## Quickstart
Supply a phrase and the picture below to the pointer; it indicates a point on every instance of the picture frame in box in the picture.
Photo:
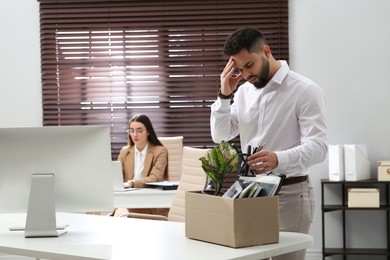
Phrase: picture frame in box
(256, 186)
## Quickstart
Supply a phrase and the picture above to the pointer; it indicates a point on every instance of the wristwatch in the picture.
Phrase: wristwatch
(222, 96)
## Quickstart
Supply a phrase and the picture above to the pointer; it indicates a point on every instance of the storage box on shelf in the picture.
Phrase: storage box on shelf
(363, 198)
(383, 170)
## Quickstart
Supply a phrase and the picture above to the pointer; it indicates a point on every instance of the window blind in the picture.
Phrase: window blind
(104, 61)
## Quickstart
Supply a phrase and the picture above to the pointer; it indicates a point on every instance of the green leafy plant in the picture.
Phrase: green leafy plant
(218, 162)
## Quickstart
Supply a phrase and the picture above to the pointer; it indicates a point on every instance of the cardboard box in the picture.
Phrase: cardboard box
(363, 198)
(232, 222)
(383, 170)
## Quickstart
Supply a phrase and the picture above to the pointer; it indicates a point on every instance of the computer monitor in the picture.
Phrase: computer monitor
(51, 169)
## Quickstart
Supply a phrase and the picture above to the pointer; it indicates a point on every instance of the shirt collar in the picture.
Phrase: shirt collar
(143, 152)
(278, 77)
(281, 73)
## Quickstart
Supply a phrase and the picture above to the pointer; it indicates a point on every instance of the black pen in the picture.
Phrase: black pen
(246, 161)
(260, 147)
(249, 150)
(255, 150)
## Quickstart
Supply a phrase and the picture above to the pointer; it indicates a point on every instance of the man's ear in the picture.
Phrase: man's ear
(266, 50)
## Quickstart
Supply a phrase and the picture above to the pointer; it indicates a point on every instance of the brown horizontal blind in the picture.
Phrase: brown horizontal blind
(104, 61)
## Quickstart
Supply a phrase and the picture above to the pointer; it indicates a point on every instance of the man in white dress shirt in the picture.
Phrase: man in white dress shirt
(279, 108)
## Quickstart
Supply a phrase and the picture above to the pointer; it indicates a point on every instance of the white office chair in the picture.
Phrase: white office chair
(193, 178)
(174, 146)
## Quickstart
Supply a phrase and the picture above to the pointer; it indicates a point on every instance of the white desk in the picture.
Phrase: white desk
(101, 237)
(144, 198)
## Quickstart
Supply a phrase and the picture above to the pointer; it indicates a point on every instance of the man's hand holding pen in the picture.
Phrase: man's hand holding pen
(262, 161)
(256, 161)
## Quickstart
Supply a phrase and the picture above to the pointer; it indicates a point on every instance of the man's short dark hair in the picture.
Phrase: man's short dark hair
(248, 38)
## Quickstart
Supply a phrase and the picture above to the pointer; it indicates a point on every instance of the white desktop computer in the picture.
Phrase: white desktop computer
(44, 170)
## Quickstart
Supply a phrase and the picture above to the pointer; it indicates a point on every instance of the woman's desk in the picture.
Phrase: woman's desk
(144, 198)
(100, 237)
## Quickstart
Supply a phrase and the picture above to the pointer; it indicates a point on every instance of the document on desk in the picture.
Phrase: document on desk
(163, 185)
(126, 189)
(130, 189)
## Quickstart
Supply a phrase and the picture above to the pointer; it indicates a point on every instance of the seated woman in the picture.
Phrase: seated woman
(143, 160)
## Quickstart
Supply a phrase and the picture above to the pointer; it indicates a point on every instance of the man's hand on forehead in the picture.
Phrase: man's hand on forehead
(236, 70)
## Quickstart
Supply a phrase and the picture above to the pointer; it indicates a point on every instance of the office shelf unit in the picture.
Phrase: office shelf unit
(343, 207)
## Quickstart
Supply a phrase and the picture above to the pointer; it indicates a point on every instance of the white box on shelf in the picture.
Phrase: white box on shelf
(383, 170)
(363, 198)
(356, 163)
(336, 162)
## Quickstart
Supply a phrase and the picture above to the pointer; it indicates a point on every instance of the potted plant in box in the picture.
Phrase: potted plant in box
(218, 162)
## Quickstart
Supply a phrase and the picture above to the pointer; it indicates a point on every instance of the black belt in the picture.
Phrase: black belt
(293, 180)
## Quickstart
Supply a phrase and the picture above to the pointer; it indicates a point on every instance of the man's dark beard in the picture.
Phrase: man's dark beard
(264, 77)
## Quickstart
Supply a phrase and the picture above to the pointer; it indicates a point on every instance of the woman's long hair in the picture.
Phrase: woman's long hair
(152, 137)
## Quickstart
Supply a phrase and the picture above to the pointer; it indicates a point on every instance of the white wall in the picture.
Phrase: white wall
(343, 46)
(340, 44)
(20, 81)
